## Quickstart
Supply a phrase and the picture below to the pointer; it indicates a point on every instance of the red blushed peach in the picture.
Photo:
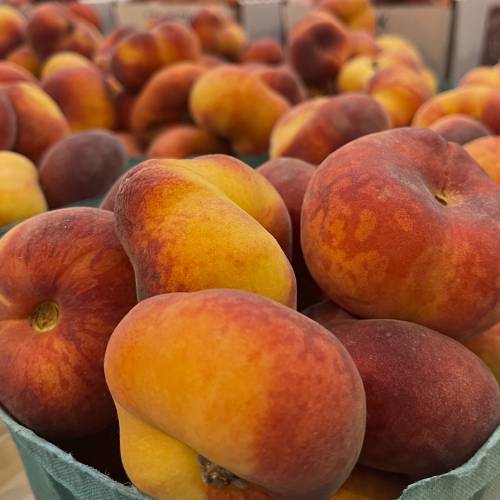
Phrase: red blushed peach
(12, 29)
(314, 129)
(263, 51)
(413, 237)
(83, 96)
(327, 313)
(102, 57)
(12, 73)
(186, 141)
(390, 43)
(25, 57)
(363, 44)
(356, 14)
(480, 102)
(486, 152)
(8, 125)
(40, 122)
(318, 46)
(486, 345)
(86, 13)
(177, 42)
(283, 80)
(164, 100)
(488, 76)
(81, 166)
(431, 403)
(459, 128)
(56, 308)
(290, 385)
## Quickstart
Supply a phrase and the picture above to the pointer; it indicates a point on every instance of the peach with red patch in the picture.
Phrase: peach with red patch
(363, 43)
(486, 346)
(431, 403)
(124, 105)
(8, 124)
(12, 73)
(318, 45)
(12, 29)
(488, 76)
(186, 141)
(263, 51)
(355, 14)
(314, 129)
(86, 13)
(64, 60)
(164, 232)
(25, 57)
(486, 152)
(289, 385)
(460, 128)
(283, 80)
(415, 236)
(56, 309)
(102, 57)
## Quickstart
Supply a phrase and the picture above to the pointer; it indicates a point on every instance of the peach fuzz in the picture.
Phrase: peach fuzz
(56, 308)
(12, 29)
(263, 51)
(356, 14)
(322, 413)
(8, 124)
(318, 45)
(400, 91)
(414, 237)
(431, 403)
(283, 80)
(486, 152)
(185, 141)
(486, 346)
(165, 232)
(25, 57)
(164, 100)
(64, 60)
(12, 73)
(83, 96)
(459, 128)
(489, 76)
(314, 129)
(20, 194)
(235, 104)
(40, 122)
(479, 102)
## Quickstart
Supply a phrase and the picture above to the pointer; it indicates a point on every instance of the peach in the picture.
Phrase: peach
(394, 240)
(355, 74)
(488, 76)
(279, 439)
(164, 232)
(318, 46)
(130, 143)
(459, 128)
(290, 177)
(362, 43)
(102, 57)
(390, 42)
(25, 57)
(86, 13)
(430, 402)
(480, 102)
(400, 91)
(57, 309)
(81, 166)
(486, 346)
(231, 41)
(164, 100)
(283, 80)
(486, 152)
(365, 483)
(83, 96)
(108, 202)
(8, 125)
(209, 61)
(64, 60)
(263, 51)
(12, 29)
(20, 193)
(185, 141)
(327, 313)
(235, 104)
(124, 106)
(40, 122)
(356, 14)
(314, 129)
(52, 28)
(12, 73)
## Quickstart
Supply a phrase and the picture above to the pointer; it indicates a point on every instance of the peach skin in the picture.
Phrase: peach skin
(327, 313)
(356, 73)
(314, 129)
(253, 435)
(355, 14)
(64, 60)
(12, 29)
(389, 43)
(414, 237)
(235, 104)
(40, 122)
(318, 45)
(263, 51)
(185, 141)
(20, 194)
(8, 124)
(486, 346)
(459, 128)
(489, 76)
(362, 44)
(130, 143)
(83, 96)
(164, 100)
(479, 102)
(12, 73)
(486, 152)
(86, 13)
(25, 57)
(165, 232)
(56, 308)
